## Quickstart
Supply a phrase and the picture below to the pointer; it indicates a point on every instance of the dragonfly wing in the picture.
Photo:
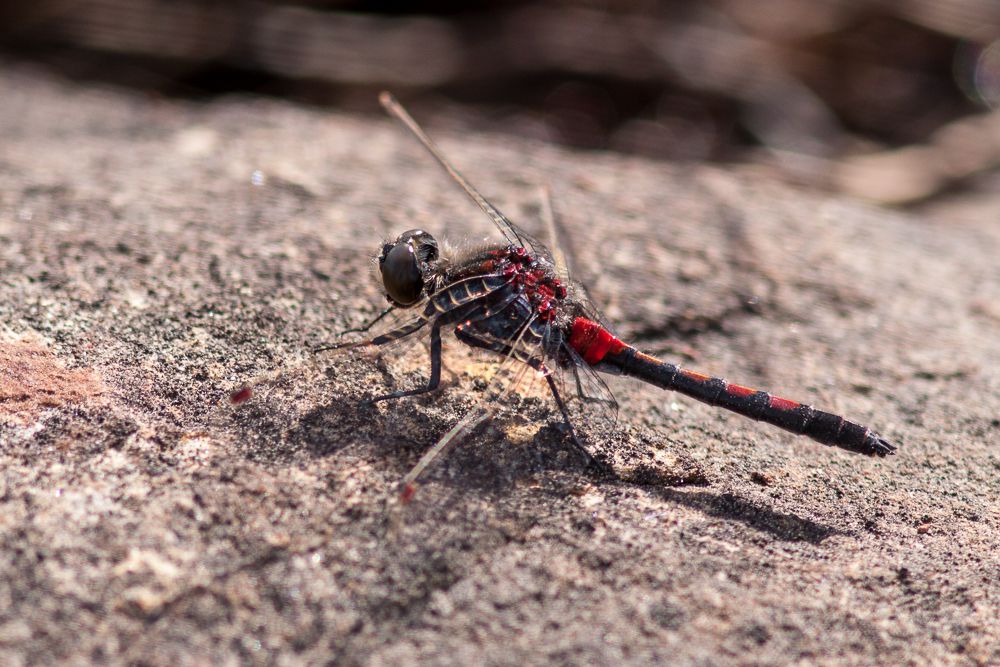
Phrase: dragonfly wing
(510, 374)
(514, 234)
(562, 260)
(559, 260)
(584, 395)
(402, 322)
(471, 299)
(588, 400)
(589, 389)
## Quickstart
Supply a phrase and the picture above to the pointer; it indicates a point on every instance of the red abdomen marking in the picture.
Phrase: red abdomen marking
(739, 390)
(779, 403)
(593, 341)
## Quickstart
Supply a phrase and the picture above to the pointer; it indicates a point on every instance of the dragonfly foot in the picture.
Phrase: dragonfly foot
(590, 462)
(397, 394)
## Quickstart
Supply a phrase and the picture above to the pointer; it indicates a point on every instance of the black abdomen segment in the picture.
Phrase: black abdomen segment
(824, 427)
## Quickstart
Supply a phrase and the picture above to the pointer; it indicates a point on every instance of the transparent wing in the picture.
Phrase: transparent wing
(563, 263)
(510, 374)
(514, 234)
(559, 260)
(584, 388)
(583, 393)
(397, 329)
(400, 323)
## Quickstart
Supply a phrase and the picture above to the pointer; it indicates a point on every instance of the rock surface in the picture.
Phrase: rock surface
(155, 255)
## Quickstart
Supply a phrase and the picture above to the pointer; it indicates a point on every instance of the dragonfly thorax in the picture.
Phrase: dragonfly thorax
(535, 278)
(405, 265)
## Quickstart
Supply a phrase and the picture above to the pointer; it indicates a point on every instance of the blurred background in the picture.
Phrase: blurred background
(895, 101)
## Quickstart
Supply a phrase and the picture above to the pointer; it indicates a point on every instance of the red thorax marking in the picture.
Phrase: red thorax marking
(541, 289)
(593, 341)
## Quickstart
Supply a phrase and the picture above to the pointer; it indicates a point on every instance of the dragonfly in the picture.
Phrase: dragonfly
(516, 299)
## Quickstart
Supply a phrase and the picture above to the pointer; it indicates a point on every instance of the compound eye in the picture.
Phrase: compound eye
(425, 245)
(403, 263)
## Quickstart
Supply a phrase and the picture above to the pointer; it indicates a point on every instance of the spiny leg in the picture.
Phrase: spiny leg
(471, 312)
(435, 378)
(588, 457)
(382, 339)
(446, 302)
(475, 339)
(247, 391)
(361, 329)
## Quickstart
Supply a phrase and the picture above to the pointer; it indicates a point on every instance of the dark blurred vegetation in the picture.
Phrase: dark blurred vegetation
(894, 100)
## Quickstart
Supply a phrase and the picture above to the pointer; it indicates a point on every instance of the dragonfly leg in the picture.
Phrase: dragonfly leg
(361, 329)
(372, 323)
(435, 378)
(587, 456)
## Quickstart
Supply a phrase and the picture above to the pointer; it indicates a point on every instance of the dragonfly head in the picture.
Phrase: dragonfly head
(404, 264)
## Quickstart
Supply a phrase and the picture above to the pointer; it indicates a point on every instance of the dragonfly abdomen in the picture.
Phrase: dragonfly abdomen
(824, 427)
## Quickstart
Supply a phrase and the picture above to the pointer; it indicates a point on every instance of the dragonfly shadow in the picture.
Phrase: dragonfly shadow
(785, 527)
(500, 461)
(496, 461)
(330, 428)
(496, 458)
